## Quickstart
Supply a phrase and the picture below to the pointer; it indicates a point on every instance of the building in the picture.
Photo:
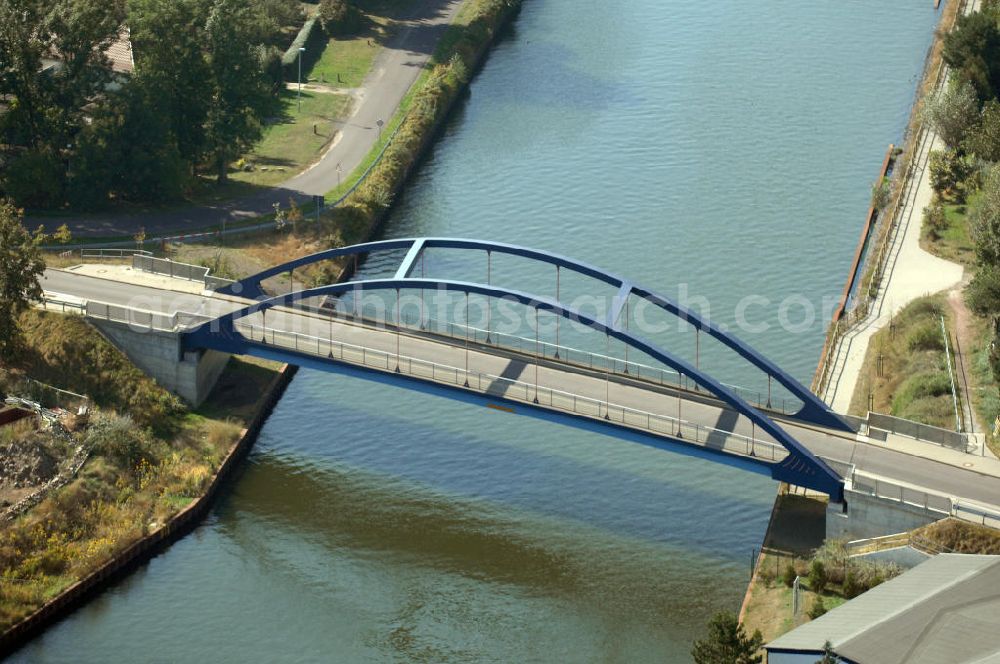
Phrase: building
(943, 611)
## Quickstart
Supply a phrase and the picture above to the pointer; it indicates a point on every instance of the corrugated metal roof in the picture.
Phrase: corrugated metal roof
(944, 610)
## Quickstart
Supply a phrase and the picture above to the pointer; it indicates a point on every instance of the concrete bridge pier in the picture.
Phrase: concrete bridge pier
(191, 375)
(867, 516)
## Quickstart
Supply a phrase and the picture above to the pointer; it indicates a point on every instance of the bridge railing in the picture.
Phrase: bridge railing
(514, 390)
(170, 268)
(925, 432)
(63, 306)
(932, 502)
(591, 360)
(102, 253)
(143, 319)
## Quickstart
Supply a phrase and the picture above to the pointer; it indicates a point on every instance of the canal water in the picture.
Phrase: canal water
(715, 150)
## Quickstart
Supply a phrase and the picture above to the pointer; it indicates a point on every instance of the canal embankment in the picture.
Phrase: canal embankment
(889, 270)
(897, 269)
(152, 471)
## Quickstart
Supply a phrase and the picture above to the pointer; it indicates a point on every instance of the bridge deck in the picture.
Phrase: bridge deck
(567, 388)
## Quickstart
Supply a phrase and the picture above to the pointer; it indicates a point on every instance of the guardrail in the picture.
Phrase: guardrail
(143, 319)
(63, 306)
(103, 252)
(905, 495)
(925, 432)
(170, 268)
(508, 389)
(861, 547)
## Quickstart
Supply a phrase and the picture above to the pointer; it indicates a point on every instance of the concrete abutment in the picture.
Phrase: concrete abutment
(191, 375)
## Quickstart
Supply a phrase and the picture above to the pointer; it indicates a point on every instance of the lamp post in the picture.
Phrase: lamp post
(302, 49)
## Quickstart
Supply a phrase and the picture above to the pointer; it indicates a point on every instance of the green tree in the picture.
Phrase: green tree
(788, 575)
(48, 104)
(727, 643)
(24, 31)
(63, 235)
(881, 193)
(172, 76)
(238, 84)
(948, 171)
(338, 17)
(983, 140)
(983, 292)
(953, 113)
(935, 220)
(818, 609)
(972, 49)
(21, 265)
(817, 577)
(128, 152)
(984, 219)
(829, 657)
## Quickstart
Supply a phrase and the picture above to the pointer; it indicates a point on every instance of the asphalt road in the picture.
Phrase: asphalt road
(869, 458)
(394, 71)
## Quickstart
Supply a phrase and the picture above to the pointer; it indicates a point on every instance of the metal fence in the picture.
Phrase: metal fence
(100, 253)
(905, 495)
(513, 390)
(141, 319)
(170, 268)
(944, 437)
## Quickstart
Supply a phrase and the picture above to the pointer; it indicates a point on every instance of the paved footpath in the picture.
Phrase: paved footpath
(394, 71)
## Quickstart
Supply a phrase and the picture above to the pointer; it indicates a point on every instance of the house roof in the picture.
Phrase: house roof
(120, 53)
(946, 609)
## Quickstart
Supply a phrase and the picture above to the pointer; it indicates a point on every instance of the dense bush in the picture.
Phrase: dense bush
(817, 576)
(339, 17)
(925, 337)
(818, 608)
(948, 171)
(788, 576)
(935, 220)
(119, 440)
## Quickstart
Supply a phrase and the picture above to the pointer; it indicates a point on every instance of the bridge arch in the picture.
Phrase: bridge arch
(813, 410)
(800, 467)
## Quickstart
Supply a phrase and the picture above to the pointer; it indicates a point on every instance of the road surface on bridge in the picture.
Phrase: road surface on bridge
(958, 481)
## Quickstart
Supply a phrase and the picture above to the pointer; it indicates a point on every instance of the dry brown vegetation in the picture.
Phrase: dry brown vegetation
(137, 476)
(962, 537)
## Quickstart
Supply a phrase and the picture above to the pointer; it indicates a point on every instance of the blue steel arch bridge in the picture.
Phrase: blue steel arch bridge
(307, 327)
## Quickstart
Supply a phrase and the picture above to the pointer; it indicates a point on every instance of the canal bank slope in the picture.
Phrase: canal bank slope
(900, 270)
(908, 272)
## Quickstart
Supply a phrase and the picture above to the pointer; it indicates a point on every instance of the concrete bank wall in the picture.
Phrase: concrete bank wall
(141, 551)
(191, 375)
(867, 517)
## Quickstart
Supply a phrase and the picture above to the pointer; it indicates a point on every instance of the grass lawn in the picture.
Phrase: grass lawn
(954, 242)
(914, 380)
(296, 139)
(347, 60)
